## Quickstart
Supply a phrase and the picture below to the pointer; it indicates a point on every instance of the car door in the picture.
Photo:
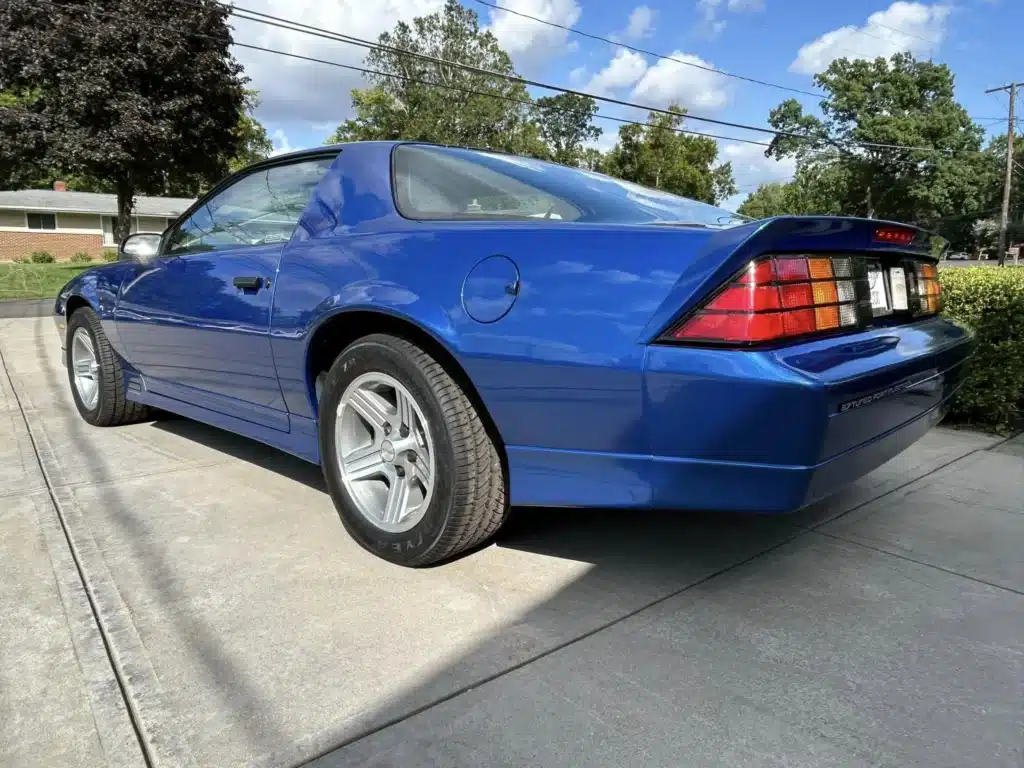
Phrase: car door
(195, 321)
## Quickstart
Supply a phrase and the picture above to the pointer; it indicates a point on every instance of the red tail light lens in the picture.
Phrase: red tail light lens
(782, 297)
(776, 298)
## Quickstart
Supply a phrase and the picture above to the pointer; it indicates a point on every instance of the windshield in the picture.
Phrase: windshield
(433, 182)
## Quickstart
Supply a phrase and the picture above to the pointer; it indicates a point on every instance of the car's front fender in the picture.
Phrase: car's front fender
(98, 289)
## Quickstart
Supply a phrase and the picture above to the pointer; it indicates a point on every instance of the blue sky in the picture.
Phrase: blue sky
(779, 41)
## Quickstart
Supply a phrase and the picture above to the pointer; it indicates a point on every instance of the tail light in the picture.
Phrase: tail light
(781, 297)
(928, 292)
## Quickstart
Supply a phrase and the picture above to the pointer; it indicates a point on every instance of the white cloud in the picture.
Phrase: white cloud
(281, 144)
(621, 72)
(641, 23)
(577, 76)
(296, 94)
(531, 44)
(921, 29)
(711, 24)
(750, 169)
(672, 81)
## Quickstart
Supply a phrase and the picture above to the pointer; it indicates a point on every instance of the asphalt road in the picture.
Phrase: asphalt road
(177, 596)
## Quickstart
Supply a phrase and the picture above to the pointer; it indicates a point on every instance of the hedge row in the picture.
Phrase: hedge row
(990, 300)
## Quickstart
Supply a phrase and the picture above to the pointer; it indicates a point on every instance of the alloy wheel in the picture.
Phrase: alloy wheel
(86, 368)
(385, 453)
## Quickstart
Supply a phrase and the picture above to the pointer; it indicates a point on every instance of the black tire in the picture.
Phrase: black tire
(469, 501)
(112, 408)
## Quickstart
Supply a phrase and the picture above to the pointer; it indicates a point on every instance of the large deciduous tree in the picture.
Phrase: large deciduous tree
(122, 91)
(815, 189)
(657, 155)
(254, 143)
(414, 98)
(565, 126)
(900, 101)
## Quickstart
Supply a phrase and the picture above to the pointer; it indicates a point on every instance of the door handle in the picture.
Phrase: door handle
(248, 283)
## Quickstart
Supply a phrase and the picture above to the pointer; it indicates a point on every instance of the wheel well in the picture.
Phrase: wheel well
(73, 304)
(346, 327)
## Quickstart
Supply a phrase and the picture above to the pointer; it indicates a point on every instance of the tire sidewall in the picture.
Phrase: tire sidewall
(412, 546)
(80, 320)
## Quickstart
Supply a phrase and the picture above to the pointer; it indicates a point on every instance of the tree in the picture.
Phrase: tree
(252, 144)
(773, 199)
(500, 117)
(592, 159)
(124, 91)
(565, 126)
(997, 151)
(897, 101)
(815, 190)
(658, 156)
(252, 140)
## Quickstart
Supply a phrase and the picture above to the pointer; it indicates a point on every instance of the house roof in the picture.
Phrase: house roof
(89, 202)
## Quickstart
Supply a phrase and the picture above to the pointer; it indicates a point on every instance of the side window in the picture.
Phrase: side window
(432, 183)
(259, 209)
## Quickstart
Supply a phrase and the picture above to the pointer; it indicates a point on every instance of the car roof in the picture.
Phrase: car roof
(312, 151)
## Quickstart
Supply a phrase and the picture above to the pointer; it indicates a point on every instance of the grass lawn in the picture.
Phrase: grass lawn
(36, 281)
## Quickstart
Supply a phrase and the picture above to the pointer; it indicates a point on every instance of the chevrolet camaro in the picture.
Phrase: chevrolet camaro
(450, 332)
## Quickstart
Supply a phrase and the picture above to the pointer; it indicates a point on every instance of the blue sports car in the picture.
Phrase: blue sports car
(449, 332)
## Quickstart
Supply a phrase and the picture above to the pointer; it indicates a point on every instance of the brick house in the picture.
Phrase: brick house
(64, 223)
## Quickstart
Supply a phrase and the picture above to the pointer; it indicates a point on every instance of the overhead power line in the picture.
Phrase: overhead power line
(645, 52)
(901, 31)
(635, 49)
(293, 26)
(429, 83)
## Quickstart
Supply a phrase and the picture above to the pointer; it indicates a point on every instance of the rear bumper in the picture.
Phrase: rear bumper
(558, 478)
(766, 431)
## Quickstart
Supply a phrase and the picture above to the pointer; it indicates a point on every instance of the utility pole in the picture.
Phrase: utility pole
(1008, 184)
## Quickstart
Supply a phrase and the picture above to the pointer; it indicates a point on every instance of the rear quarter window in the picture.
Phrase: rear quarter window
(430, 183)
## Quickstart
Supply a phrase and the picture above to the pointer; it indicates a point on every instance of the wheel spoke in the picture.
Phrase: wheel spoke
(422, 470)
(363, 463)
(406, 414)
(398, 498)
(371, 406)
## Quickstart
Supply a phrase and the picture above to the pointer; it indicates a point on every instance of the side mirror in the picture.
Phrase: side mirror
(141, 246)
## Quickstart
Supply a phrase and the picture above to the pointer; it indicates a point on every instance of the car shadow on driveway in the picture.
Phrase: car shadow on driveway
(599, 536)
(244, 449)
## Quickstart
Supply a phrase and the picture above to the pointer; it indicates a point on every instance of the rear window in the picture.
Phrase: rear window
(447, 183)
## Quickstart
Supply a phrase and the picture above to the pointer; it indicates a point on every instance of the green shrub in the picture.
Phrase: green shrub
(81, 258)
(110, 255)
(42, 257)
(990, 300)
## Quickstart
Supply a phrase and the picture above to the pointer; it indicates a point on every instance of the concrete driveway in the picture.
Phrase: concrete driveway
(177, 596)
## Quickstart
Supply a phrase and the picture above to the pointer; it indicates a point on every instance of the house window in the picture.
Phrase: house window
(109, 225)
(41, 221)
